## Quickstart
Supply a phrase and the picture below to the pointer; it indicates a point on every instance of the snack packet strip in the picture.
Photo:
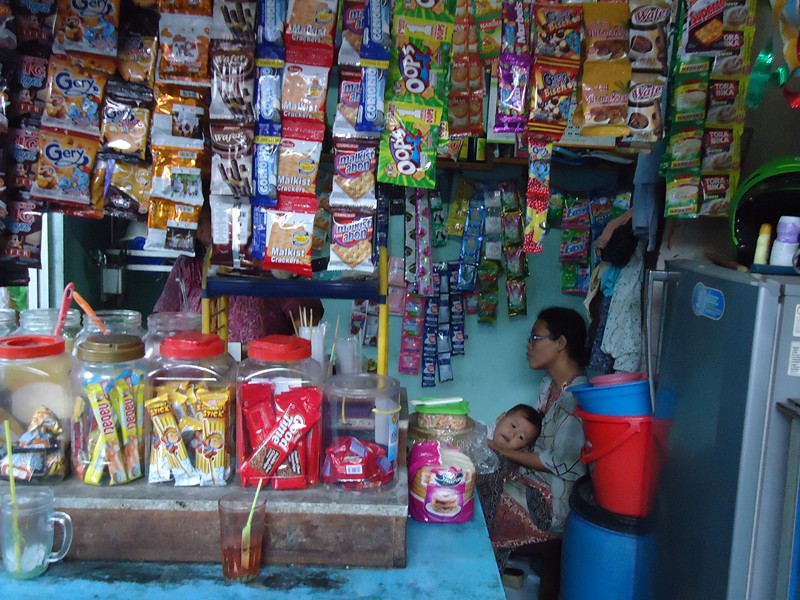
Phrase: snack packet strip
(424, 245)
(171, 442)
(104, 413)
(126, 410)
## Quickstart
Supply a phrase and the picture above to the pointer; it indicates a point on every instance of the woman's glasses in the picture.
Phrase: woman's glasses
(535, 338)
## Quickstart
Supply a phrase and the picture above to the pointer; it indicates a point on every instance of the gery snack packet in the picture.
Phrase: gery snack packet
(65, 167)
(125, 126)
(87, 27)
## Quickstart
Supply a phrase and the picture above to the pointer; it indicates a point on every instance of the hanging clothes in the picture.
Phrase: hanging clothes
(622, 338)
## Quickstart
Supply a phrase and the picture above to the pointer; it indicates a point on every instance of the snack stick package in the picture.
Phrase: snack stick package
(211, 457)
(103, 410)
(234, 20)
(126, 410)
(231, 160)
(233, 82)
(171, 443)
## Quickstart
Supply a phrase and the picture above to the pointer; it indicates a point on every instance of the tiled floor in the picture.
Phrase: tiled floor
(530, 585)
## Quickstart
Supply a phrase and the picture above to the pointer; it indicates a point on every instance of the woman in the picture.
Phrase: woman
(534, 502)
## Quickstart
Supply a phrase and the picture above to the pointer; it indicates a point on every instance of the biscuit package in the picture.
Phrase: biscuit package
(298, 156)
(353, 20)
(24, 155)
(351, 241)
(288, 233)
(648, 37)
(418, 73)
(125, 125)
(371, 116)
(269, 76)
(304, 91)
(265, 167)
(553, 84)
(354, 175)
(603, 104)
(269, 29)
(344, 122)
(310, 28)
(184, 49)
(703, 27)
(606, 30)
(196, 8)
(180, 114)
(558, 30)
(65, 167)
(375, 42)
(171, 226)
(441, 483)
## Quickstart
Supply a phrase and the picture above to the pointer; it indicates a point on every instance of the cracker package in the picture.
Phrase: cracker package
(344, 122)
(298, 156)
(64, 168)
(407, 154)
(234, 20)
(352, 33)
(310, 28)
(354, 175)
(231, 160)
(125, 126)
(179, 115)
(351, 241)
(177, 174)
(171, 226)
(184, 50)
(489, 24)
(88, 27)
(703, 27)
(603, 102)
(232, 82)
(304, 91)
(289, 233)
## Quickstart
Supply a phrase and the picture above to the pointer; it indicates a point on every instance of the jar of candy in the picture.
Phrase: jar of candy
(190, 405)
(127, 322)
(160, 326)
(108, 431)
(360, 426)
(35, 398)
(8, 321)
(279, 373)
(43, 321)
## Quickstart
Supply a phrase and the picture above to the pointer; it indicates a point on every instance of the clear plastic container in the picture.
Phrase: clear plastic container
(108, 432)
(36, 398)
(275, 364)
(160, 326)
(8, 321)
(127, 322)
(190, 405)
(360, 424)
(43, 321)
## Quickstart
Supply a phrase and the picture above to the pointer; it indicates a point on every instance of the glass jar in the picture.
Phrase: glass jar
(127, 322)
(108, 432)
(8, 321)
(160, 326)
(275, 364)
(35, 397)
(43, 321)
(190, 391)
(360, 426)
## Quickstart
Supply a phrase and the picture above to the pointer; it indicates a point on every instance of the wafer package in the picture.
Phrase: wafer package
(233, 82)
(231, 160)
(234, 20)
(231, 232)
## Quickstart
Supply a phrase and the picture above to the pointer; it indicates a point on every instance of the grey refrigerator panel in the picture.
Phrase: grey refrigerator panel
(714, 376)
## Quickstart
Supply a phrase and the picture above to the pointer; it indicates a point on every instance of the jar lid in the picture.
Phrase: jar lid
(116, 347)
(279, 348)
(31, 346)
(190, 344)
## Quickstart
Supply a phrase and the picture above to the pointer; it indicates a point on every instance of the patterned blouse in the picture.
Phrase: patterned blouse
(559, 446)
(248, 317)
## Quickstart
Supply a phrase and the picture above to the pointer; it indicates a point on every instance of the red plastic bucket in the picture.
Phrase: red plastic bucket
(626, 462)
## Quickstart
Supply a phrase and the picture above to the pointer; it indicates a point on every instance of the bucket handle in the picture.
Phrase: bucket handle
(588, 456)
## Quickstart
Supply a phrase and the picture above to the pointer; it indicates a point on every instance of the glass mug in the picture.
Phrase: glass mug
(28, 547)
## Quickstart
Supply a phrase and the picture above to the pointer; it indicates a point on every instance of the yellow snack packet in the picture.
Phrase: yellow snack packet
(109, 445)
(170, 442)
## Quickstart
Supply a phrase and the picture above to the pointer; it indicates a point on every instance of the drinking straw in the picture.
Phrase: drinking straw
(66, 300)
(294, 324)
(246, 530)
(14, 508)
(333, 347)
(90, 313)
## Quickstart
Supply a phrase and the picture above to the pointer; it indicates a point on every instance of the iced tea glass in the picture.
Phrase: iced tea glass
(241, 560)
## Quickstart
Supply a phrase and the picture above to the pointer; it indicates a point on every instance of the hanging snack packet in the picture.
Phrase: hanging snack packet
(513, 72)
(21, 241)
(558, 30)
(371, 116)
(184, 50)
(177, 174)
(171, 226)
(489, 23)
(407, 153)
(734, 59)
(298, 156)
(127, 193)
(648, 36)
(375, 42)
(351, 241)
(269, 75)
(30, 92)
(516, 27)
(138, 47)
(24, 155)
(35, 22)
(179, 114)
(353, 22)
(354, 176)
(574, 246)
(683, 193)
(690, 91)
(265, 167)
(87, 27)
(554, 82)
(231, 230)
(269, 33)
(703, 27)
(231, 160)
(304, 91)
(721, 149)
(344, 122)
(234, 20)
(725, 101)
(606, 30)
(424, 239)
(310, 28)
(64, 168)
(232, 82)
(685, 144)
(644, 110)
(419, 72)
(603, 102)
(201, 8)
(517, 295)
(576, 212)
(717, 192)
(125, 126)
(75, 94)
(289, 231)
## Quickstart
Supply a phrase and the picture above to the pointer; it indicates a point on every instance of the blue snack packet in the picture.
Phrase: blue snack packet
(269, 32)
(268, 92)
(265, 168)
(377, 30)
(371, 117)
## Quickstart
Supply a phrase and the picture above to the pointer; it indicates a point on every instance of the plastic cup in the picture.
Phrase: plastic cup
(239, 562)
(28, 548)
(348, 353)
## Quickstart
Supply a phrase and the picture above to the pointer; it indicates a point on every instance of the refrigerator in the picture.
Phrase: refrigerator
(723, 349)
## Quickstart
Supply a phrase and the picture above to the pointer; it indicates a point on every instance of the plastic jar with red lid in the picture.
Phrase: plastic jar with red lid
(190, 405)
(36, 399)
(275, 364)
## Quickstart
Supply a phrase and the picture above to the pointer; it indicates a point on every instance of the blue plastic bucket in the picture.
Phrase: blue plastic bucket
(623, 400)
(605, 556)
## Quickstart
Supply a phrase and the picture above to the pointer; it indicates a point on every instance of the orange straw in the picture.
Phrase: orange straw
(90, 312)
(66, 300)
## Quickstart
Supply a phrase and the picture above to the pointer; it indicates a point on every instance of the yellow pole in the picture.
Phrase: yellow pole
(383, 312)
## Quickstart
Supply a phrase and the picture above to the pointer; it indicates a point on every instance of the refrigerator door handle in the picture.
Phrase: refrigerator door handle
(654, 276)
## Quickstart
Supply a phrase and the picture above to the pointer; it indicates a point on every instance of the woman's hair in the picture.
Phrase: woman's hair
(567, 322)
(528, 413)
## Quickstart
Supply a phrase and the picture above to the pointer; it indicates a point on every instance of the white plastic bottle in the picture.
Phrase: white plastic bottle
(762, 244)
(786, 241)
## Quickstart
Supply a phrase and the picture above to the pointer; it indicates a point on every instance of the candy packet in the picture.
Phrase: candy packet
(513, 73)
(24, 155)
(516, 27)
(558, 30)
(29, 90)
(21, 240)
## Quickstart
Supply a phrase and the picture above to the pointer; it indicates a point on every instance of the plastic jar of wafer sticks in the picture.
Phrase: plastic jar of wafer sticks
(276, 365)
(108, 429)
(190, 406)
(35, 397)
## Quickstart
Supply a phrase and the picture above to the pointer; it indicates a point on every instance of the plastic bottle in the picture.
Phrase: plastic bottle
(786, 241)
(762, 244)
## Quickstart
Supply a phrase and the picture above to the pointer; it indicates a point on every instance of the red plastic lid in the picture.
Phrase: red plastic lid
(191, 344)
(31, 346)
(617, 378)
(279, 348)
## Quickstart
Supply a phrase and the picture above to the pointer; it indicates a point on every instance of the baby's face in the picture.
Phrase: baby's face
(514, 432)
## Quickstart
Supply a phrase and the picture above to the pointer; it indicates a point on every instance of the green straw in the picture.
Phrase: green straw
(246, 530)
(14, 507)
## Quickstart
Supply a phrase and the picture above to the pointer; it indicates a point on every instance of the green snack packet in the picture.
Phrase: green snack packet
(487, 307)
(418, 72)
(683, 193)
(488, 273)
(432, 11)
(407, 154)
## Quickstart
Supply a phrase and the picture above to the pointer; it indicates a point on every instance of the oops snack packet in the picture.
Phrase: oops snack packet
(65, 167)
(87, 27)
(418, 72)
(407, 155)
